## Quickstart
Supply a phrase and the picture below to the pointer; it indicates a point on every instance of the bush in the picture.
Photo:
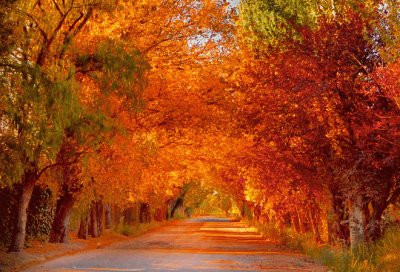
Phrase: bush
(8, 208)
(41, 213)
(124, 230)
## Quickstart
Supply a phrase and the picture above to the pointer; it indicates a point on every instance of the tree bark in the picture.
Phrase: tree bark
(129, 215)
(356, 221)
(70, 187)
(28, 183)
(93, 227)
(178, 209)
(294, 222)
(314, 226)
(107, 215)
(375, 224)
(300, 222)
(144, 214)
(161, 214)
(170, 208)
(83, 227)
(338, 227)
(100, 216)
(60, 228)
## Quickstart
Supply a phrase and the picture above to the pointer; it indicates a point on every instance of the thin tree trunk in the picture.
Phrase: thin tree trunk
(93, 227)
(301, 227)
(294, 222)
(28, 183)
(100, 216)
(314, 226)
(107, 215)
(178, 208)
(83, 227)
(170, 208)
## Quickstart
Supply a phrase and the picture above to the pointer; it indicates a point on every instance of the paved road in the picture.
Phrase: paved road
(201, 244)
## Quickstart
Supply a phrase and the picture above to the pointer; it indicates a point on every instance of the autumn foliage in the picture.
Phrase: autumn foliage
(129, 111)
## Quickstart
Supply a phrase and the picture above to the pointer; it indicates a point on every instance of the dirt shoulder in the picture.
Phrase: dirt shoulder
(39, 252)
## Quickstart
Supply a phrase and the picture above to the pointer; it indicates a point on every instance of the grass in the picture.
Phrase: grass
(383, 256)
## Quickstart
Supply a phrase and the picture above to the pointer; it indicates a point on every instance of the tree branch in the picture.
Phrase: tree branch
(58, 8)
(393, 198)
(30, 16)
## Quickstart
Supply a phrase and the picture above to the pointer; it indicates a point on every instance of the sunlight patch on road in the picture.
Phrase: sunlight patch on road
(225, 252)
(242, 229)
(232, 235)
(108, 269)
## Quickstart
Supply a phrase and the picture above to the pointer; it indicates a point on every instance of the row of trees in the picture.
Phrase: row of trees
(289, 108)
(98, 99)
(320, 96)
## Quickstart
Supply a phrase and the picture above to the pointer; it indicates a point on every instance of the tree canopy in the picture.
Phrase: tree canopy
(286, 111)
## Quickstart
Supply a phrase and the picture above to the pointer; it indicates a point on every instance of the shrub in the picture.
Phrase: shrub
(124, 230)
(137, 229)
(40, 214)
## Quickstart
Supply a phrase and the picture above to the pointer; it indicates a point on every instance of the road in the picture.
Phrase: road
(200, 244)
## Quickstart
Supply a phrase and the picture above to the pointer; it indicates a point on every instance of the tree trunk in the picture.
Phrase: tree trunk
(170, 208)
(178, 209)
(118, 215)
(100, 216)
(93, 225)
(83, 227)
(28, 183)
(107, 215)
(314, 226)
(71, 186)
(60, 228)
(129, 215)
(338, 227)
(160, 214)
(144, 214)
(375, 224)
(300, 222)
(356, 222)
(294, 222)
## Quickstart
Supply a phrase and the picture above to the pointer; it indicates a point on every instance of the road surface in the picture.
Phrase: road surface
(201, 244)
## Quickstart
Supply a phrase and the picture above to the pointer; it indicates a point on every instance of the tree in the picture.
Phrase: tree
(40, 92)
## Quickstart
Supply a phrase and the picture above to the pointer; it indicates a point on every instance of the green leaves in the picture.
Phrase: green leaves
(117, 69)
(36, 110)
(272, 22)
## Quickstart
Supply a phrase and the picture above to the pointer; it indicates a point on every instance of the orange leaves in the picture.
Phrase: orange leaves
(389, 79)
(184, 129)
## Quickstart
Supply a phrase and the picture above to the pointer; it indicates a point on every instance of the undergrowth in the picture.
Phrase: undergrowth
(137, 229)
(383, 256)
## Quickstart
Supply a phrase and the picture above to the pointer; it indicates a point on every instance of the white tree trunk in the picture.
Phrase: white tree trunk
(357, 221)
